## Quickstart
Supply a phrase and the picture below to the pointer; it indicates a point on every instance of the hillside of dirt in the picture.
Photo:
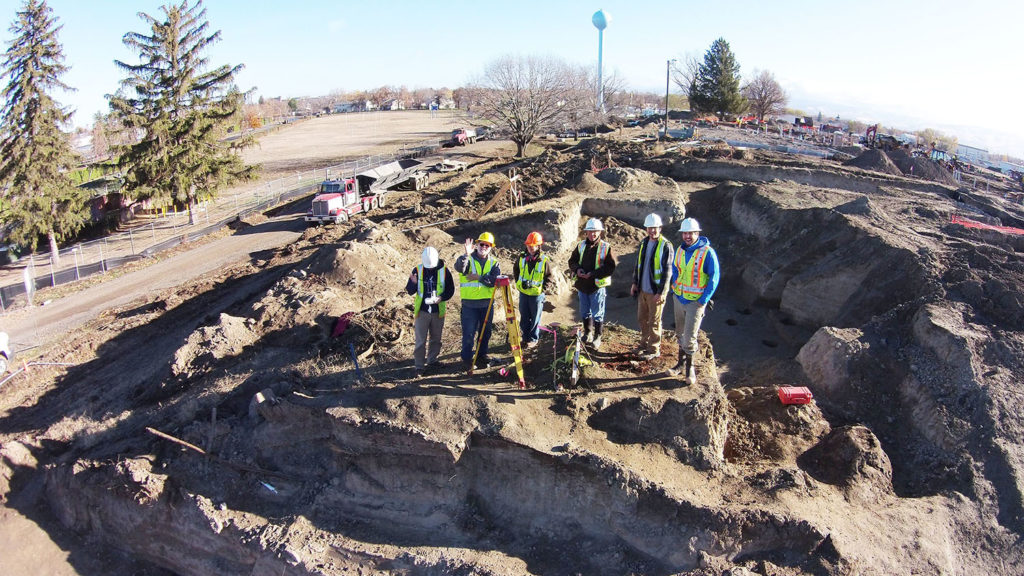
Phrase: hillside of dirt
(231, 425)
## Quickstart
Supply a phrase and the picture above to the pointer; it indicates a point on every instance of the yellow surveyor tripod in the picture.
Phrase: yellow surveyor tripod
(503, 286)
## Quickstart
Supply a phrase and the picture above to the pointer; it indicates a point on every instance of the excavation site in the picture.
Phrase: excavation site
(266, 418)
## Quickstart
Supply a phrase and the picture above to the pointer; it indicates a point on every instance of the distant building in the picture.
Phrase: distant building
(353, 106)
(971, 154)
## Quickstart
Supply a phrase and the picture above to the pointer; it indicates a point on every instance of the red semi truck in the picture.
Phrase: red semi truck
(339, 199)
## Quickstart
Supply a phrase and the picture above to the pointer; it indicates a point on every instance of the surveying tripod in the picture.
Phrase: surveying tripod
(503, 286)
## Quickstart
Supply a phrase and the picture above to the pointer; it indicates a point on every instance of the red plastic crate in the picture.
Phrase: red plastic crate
(795, 395)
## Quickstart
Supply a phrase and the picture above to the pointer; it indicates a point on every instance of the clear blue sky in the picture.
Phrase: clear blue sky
(952, 66)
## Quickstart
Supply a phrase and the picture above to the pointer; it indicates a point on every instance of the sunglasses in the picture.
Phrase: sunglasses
(483, 244)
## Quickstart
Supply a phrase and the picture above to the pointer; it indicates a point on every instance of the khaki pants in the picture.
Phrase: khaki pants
(427, 325)
(688, 318)
(648, 316)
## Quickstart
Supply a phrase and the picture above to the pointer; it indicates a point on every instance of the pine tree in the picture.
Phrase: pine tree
(179, 111)
(716, 87)
(36, 158)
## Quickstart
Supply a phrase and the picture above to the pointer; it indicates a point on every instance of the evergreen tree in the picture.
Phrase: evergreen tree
(36, 158)
(716, 86)
(179, 112)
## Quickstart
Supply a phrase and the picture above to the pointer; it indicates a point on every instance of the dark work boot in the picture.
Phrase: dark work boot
(598, 328)
(588, 330)
(691, 371)
(680, 365)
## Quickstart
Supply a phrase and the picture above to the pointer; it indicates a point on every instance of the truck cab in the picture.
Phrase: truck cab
(463, 136)
(336, 201)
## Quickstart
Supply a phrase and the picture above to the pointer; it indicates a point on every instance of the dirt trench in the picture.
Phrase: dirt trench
(908, 446)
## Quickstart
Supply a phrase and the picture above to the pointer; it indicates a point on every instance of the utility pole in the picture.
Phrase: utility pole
(668, 70)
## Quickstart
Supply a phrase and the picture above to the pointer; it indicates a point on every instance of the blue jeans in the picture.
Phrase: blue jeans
(472, 319)
(530, 309)
(592, 305)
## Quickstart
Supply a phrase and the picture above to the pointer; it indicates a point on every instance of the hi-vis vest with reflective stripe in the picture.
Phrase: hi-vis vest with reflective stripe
(657, 261)
(417, 301)
(602, 251)
(533, 283)
(691, 280)
(475, 290)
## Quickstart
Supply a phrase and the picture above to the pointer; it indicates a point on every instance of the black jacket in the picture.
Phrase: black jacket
(430, 284)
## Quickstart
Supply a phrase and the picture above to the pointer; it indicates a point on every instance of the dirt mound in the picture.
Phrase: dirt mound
(590, 184)
(625, 179)
(850, 456)
(715, 151)
(876, 161)
(227, 338)
(918, 167)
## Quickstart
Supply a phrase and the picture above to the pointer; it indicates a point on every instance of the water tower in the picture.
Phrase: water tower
(601, 21)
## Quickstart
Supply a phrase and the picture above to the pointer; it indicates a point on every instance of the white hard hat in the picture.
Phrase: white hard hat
(593, 224)
(430, 257)
(652, 221)
(689, 225)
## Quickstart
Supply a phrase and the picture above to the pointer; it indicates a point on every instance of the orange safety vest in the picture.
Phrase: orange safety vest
(691, 280)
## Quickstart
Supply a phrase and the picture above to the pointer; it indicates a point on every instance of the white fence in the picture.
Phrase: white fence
(170, 229)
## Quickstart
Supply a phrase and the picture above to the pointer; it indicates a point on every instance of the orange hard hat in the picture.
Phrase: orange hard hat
(534, 239)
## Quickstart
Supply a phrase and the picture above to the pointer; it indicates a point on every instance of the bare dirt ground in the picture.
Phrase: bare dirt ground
(850, 280)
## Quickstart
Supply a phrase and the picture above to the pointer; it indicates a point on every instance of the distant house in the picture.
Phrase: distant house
(354, 106)
(908, 139)
(394, 104)
(971, 154)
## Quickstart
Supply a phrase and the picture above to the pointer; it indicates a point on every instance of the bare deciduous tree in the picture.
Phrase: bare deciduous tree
(382, 95)
(765, 95)
(527, 94)
(684, 72)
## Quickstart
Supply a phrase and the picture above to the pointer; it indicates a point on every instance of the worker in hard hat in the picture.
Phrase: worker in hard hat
(478, 271)
(695, 275)
(592, 264)
(651, 285)
(431, 285)
(531, 273)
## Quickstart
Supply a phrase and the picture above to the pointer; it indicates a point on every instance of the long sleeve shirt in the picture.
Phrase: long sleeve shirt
(430, 285)
(588, 263)
(489, 279)
(531, 264)
(643, 275)
(710, 268)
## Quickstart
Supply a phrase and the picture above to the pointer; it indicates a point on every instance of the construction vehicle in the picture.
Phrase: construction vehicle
(886, 142)
(463, 136)
(339, 199)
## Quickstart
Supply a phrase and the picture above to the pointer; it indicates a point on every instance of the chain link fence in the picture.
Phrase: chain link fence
(170, 229)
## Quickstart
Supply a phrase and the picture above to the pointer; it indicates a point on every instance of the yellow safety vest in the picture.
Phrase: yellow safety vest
(691, 280)
(657, 261)
(417, 300)
(532, 284)
(474, 290)
(602, 251)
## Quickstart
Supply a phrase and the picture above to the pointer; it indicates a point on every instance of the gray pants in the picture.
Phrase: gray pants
(427, 325)
(688, 318)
